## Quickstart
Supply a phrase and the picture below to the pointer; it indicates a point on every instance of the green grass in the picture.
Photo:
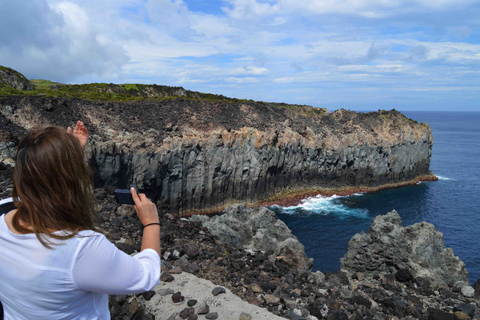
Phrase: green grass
(138, 92)
(43, 84)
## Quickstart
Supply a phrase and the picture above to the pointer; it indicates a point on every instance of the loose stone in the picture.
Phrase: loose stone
(204, 309)
(187, 312)
(148, 295)
(216, 291)
(245, 316)
(177, 297)
(468, 291)
(212, 316)
(166, 277)
(164, 292)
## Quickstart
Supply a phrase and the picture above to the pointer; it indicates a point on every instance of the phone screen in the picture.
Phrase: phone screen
(124, 196)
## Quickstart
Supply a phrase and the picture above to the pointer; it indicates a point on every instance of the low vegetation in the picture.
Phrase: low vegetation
(137, 92)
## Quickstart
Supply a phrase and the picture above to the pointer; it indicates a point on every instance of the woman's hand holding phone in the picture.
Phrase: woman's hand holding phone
(148, 215)
(146, 209)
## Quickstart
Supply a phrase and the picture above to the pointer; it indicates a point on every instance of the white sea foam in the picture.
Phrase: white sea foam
(326, 206)
(443, 178)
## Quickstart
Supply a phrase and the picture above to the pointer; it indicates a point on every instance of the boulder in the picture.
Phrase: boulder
(259, 230)
(413, 251)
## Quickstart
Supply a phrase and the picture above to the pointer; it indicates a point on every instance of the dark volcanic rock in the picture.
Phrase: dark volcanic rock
(212, 316)
(435, 314)
(148, 295)
(191, 303)
(187, 312)
(177, 297)
(166, 277)
(204, 309)
(419, 248)
(404, 275)
(218, 290)
(476, 287)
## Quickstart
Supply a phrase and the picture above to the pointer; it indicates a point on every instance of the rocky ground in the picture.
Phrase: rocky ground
(278, 282)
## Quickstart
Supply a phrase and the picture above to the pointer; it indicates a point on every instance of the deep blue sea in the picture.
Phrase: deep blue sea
(452, 204)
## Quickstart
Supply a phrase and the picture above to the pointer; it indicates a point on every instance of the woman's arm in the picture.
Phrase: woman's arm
(148, 215)
(100, 267)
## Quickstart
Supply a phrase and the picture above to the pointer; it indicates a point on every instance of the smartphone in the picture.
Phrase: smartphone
(124, 196)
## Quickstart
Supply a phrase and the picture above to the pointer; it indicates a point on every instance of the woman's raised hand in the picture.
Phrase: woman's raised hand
(146, 209)
(80, 132)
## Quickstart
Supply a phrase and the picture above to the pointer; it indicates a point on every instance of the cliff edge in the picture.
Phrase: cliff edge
(195, 153)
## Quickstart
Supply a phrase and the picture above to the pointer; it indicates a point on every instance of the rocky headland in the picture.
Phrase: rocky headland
(198, 153)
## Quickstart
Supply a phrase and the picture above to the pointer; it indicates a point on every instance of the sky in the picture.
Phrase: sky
(355, 54)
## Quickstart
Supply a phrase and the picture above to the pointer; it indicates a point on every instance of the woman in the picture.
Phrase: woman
(54, 264)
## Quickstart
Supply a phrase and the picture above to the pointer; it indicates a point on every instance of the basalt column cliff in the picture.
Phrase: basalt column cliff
(200, 156)
(196, 152)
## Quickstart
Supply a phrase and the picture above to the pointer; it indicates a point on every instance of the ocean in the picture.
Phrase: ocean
(326, 224)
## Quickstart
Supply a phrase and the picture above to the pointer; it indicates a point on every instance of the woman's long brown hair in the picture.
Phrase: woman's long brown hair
(52, 187)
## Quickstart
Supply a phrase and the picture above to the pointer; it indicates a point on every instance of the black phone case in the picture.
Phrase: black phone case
(124, 196)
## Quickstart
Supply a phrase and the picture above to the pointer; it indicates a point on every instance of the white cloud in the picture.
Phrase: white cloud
(187, 80)
(242, 80)
(56, 42)
(249, 70)
(251, 9)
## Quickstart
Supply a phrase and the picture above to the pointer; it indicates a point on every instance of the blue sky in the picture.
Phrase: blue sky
(358, 55)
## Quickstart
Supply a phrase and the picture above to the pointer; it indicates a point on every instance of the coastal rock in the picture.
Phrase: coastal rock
(476, 286)
(388, 246)
(257, 229)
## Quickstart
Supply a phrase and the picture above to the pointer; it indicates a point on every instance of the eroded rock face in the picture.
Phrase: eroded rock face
(14, 79)
(259, 230)
(200, 156)
(388, 246)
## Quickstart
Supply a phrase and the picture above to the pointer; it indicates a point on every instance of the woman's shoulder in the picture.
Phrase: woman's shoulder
(89, 235)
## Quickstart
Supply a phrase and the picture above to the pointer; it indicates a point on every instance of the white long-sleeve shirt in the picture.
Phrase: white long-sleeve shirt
(70, 281)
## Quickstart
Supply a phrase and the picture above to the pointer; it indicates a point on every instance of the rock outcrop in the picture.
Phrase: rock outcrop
(418, 250)
(200, 156)
(14, 79)
(198, 298)
(256, 229)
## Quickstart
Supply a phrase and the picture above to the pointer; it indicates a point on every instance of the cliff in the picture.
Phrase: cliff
(204, 153)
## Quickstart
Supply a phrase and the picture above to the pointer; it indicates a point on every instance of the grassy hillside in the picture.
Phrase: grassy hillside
(134, 92)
